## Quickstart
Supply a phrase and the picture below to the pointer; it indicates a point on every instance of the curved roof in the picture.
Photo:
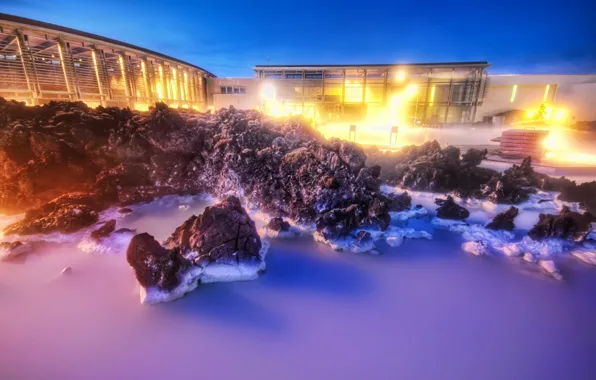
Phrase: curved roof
(54, 27)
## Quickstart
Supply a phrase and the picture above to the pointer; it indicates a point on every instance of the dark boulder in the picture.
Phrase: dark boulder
(584, 194)
(224, 233)
(278, 224)
(340, 222)
(378, 212)
(105, 230)
(448, 209)
(11, 250)
(568, 225)
(504, 220)
(400, 202)
(154, 265)
(473, 157)
(66, 214)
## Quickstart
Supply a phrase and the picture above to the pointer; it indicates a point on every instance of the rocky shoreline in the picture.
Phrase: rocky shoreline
(62, 164)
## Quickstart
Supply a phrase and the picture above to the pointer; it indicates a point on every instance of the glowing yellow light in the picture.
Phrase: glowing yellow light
(268, 92)
(432, 95)
(560, 115)
(92, 104)
(546, 92)
(548, 113)
(141, 107)
(174, 84)
(513, 92)
(411, 90)
(530, 114)
(160, 84)
(400, 76)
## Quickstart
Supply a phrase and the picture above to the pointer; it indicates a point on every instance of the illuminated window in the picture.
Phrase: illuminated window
(513, 92)
(237, 90)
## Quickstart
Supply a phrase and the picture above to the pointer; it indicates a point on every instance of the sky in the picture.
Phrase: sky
(229, 37)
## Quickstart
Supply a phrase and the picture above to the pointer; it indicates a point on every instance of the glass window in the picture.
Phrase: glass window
(243, 90)
(236, 90)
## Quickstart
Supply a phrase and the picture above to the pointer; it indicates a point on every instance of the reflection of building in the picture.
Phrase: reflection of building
(429, 92)
(40, 62)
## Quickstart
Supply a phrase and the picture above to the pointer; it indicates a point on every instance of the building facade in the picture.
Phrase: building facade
(40, 62)
(429, 93)
(576, 94)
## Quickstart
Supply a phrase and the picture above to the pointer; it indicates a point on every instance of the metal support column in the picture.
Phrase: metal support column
(65, 63)
(476, 93)
(449, 96)
(385, 82)
(322, 108)
(303, 75)
(146, 80)
(25, 59)
(364, 88)
(124, 74)
(430, 73)
(343, 92)
(95, 54)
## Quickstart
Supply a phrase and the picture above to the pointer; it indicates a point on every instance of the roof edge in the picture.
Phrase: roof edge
(64, 29)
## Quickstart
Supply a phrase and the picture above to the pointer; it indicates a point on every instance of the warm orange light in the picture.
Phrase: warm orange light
(400, 76)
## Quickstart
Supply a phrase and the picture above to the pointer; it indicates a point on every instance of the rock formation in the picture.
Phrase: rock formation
(120, 157)
(221, 244)
(448, 209)
(504, 220)
(568, 225)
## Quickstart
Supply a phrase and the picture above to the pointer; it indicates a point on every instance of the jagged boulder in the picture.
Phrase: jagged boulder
(105, 230)
(448, 209)
(340, 222)
(66, 214)
(223, 234)
(278, 224)
(155, 266)
(568, 225)
(584, 194)
(504, 220)
(399, 202)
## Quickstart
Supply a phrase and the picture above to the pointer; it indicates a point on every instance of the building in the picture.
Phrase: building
(40, 62)
(574, 93)
(430, 93)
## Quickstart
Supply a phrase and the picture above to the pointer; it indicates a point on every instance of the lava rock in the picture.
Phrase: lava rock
(224, 233)
(278, 224)
(340, 222)
(11, 250)
(568, 225)
(154, 265)
(448, 209)
(400, 202)
(584, 194)
(66, 214)
(504, 220)
(105, 230)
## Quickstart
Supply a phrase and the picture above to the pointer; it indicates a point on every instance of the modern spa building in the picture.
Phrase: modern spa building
(40, 62)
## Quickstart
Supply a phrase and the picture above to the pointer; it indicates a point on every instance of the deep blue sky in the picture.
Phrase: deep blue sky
(228, 37)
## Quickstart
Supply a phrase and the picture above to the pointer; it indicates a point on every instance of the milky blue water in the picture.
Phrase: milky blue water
(424, 310)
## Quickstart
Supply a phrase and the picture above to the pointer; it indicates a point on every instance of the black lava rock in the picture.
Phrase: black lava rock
(448, 209)
(504, 220)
